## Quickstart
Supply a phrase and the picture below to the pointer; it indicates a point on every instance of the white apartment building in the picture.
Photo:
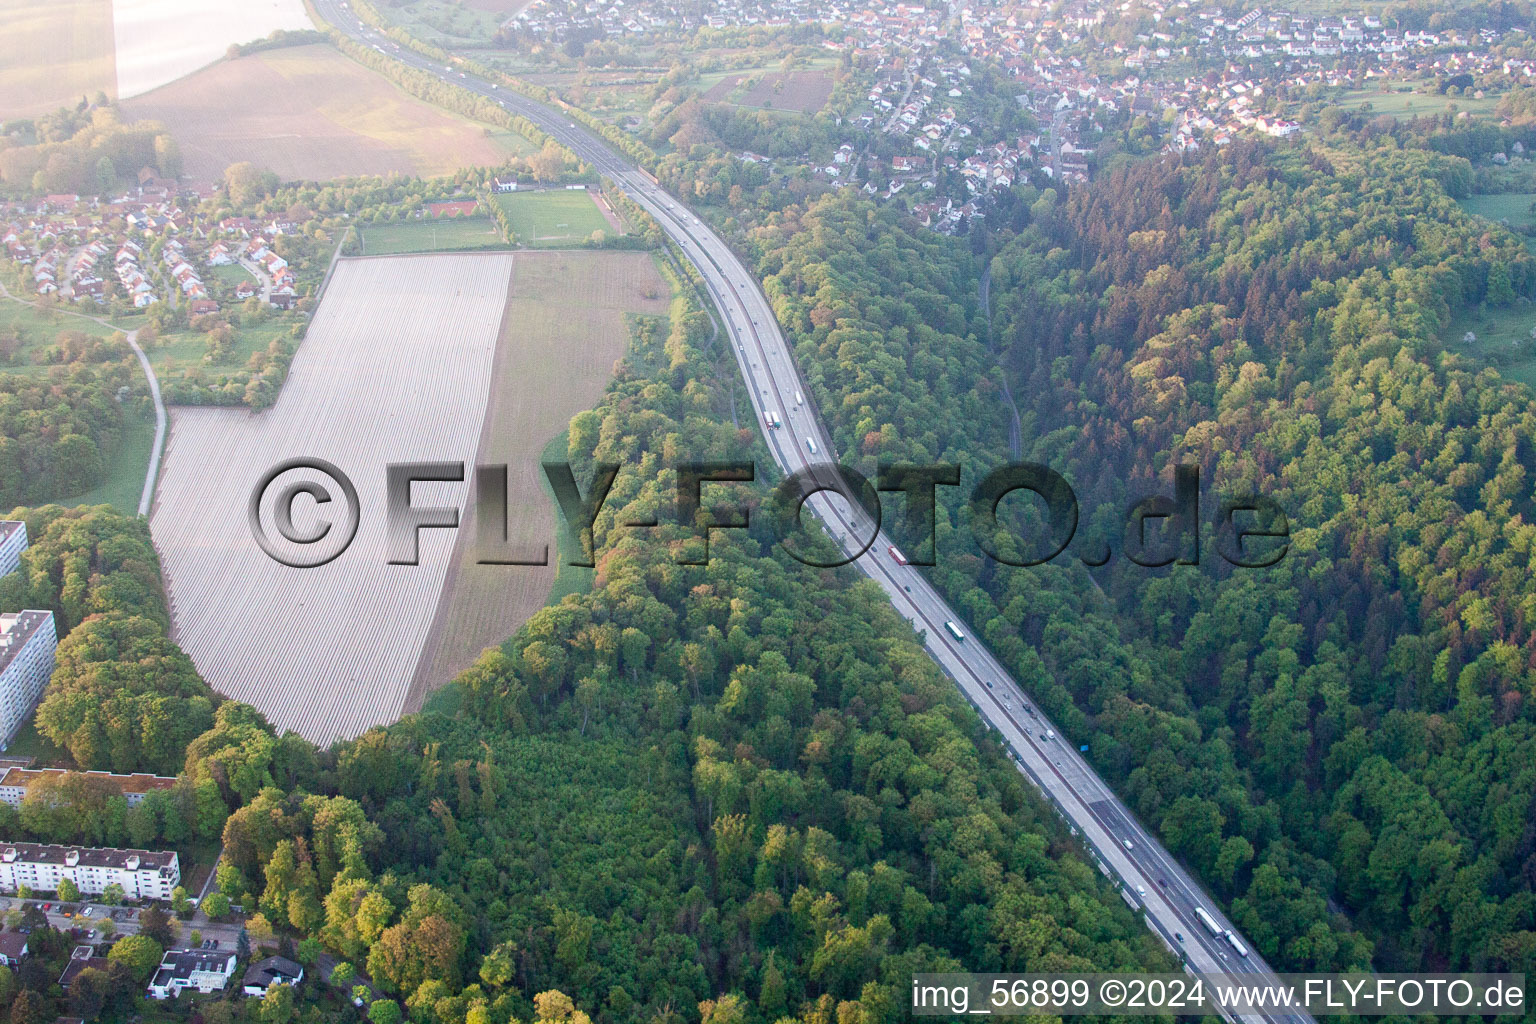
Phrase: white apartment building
(27, 643)
(13, 541)
(143, 874)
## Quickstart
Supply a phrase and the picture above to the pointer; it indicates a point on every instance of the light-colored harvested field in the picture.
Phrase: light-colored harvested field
(563, 331)
(307, 112)
(396, 368)
(159, 41)
(52, 52)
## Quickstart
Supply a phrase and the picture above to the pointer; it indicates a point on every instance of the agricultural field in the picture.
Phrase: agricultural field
(430, 235)
(554, 218)
(396, 367)
(803, 91)
(564, 328)
(307, 112)
(52, 52)
(159, 41)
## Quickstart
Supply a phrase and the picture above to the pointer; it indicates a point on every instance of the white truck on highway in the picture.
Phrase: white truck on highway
(1207, 920)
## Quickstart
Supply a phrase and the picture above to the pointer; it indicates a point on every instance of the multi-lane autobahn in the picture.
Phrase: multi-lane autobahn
(1149, 876)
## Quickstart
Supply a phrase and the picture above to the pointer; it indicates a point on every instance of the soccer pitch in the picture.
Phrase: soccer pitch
(554, 218)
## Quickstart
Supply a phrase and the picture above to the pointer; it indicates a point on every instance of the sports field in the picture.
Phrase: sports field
(307, 112)
(564, 328)
(553, 218)
(53, 52)
(444, 234)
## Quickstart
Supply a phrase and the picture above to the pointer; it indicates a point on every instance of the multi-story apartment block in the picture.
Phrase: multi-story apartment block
(143, 874)
(13, 541)
(27, 643)
(15, 782)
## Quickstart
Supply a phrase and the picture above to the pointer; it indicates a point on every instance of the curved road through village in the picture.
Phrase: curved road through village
(1121, 845)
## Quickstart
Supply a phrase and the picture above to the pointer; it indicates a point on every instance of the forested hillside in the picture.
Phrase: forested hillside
(1354, 725)
(736, 792)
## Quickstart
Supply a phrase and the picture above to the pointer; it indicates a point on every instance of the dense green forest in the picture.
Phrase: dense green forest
(741, 793)
(737, 791)
(123, 698)
(1353, 725)
(58, 433)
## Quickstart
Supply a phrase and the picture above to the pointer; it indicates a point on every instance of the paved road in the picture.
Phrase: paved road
(1122, 846)
(64, 916)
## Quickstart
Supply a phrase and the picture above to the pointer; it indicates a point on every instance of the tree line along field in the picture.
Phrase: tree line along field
(52, 52)
(396, 367)
(307, 112)
(563, 329)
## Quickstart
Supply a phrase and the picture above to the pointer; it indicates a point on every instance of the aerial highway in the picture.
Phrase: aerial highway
(1149, 877)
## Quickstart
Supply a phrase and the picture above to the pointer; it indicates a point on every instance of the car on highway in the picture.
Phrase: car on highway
(1127, 844)
(989, 684)
(1179, 936)
(1141, 891)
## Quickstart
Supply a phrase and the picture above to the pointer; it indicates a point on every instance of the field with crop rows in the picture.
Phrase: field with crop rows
(563, 331)
(396, 367)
